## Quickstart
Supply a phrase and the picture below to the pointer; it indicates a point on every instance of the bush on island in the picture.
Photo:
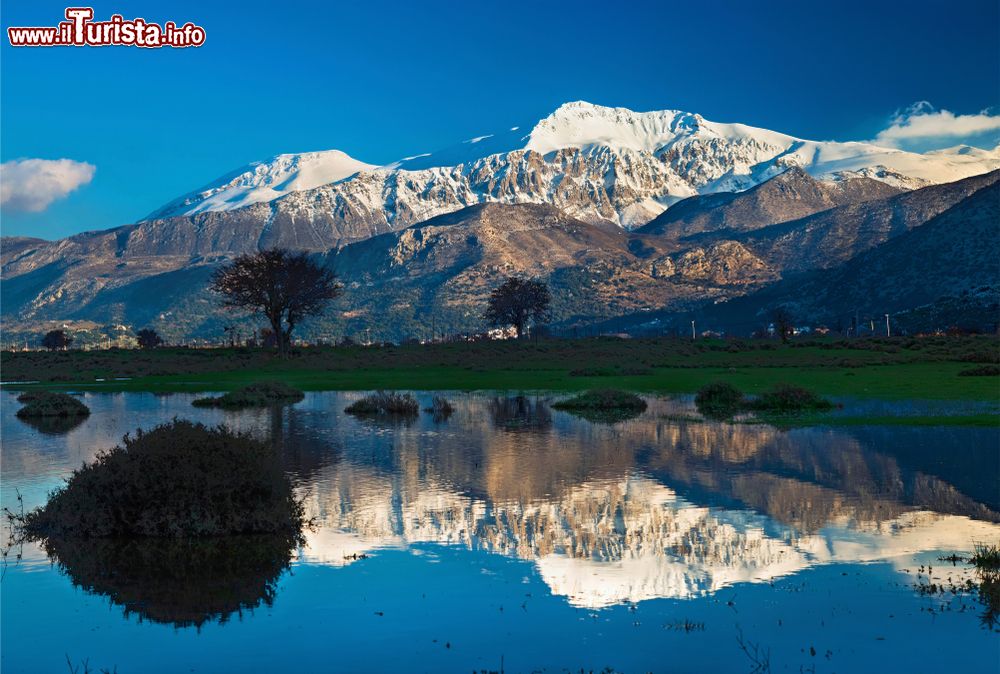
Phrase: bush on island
(180, 479)
(785, 398)
(385, 403)
(50, 404)
(607, 405)
(719, 400)
(259, 394)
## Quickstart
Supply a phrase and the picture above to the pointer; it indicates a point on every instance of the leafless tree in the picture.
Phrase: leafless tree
(783, 322)
(518, 301)
(284, 287)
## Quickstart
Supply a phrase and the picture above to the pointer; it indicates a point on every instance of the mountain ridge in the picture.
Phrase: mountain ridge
(788, 196)
(628, 166)
(955, 252)
(439, 271)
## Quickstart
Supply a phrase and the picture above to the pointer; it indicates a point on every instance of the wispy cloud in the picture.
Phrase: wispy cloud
(922, 127)
(33, 184)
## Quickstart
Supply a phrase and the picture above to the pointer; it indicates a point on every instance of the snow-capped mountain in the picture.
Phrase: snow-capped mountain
(596, 163)
(539, 200)
(266, 181)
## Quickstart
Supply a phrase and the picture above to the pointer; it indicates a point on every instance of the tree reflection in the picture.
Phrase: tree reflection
(182, 582)
(53, 425)
(519, 413)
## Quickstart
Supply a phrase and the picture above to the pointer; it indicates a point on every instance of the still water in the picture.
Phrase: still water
(514, 536)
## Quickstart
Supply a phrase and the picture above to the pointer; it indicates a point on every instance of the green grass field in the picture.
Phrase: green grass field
(890, 369)
(912, 380)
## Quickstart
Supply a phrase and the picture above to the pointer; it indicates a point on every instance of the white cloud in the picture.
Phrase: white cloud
(922, 125)
(33, 184)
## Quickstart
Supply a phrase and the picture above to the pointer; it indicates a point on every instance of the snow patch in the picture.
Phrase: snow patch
(266, 181)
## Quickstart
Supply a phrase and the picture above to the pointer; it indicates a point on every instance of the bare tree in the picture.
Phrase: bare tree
(783, 322)
(518, 301)
(284, 287)
(56, 339)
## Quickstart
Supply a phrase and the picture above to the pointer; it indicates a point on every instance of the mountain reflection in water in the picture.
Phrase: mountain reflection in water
(609, 513)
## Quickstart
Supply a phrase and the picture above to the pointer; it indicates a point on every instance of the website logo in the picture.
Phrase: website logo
(80, 30)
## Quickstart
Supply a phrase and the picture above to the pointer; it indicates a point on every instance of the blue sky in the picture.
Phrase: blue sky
(381, 80)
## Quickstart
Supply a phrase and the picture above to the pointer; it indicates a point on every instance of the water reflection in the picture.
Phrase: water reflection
(53, 425)
(520, 413)
(178, 582)
(648, 508)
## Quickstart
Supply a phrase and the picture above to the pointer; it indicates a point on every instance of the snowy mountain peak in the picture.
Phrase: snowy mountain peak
(594, 162)
(265, 181)
(583, 125)
(968, 151)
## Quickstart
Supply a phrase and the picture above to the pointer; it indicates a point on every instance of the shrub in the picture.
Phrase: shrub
(50, 404)
(982, 371)
(636, 371)
(259, 394)
(179, 479)
(986, 556)
(610, 371)
(606, 405)
(787, 398)
(592, 372)
(986, 560)
(385, 403)
(981, 357)
(718, 400)
(603, 399)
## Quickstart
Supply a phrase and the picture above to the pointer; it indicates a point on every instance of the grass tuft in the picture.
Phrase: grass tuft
(607, 405)
(38, 404)
(719, 400)
(384, 403)
(258, 394)
(986, 556)
(440, 408)
(785, 399)
(722, 400)
(981, 371)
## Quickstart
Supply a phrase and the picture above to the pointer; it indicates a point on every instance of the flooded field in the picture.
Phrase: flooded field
(511, 536)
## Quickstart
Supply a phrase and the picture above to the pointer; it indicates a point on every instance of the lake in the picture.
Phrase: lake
(514, 537)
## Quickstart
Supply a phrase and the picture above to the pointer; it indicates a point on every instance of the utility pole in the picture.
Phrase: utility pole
(888, 331)
(692, 331)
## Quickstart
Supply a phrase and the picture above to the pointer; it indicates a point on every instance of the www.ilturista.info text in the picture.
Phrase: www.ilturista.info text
(80, 30)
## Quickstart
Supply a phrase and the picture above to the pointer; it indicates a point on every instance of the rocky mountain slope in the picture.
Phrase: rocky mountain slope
(833, 237)
(595, 163)
(441, 271)
(434, 276)
(791, 195)
(955, 253)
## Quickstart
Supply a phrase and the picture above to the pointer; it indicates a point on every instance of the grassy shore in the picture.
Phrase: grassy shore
(898, 368)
